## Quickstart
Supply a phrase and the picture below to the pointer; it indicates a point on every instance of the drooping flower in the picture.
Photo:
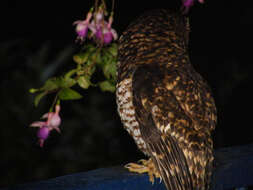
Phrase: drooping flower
(109, 33)
(99, 15)
(43, 134)
(45, 127)
(82, 27)
(102, 30)
(187, 4)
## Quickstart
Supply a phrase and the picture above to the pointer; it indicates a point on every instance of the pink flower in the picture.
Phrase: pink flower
(102, 30)
(45, 127)
(109, 33)
(43, 134)
(82, 27)
(187, 4)
(99, 16)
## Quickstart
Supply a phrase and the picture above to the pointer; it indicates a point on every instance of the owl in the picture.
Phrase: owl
(163, 103)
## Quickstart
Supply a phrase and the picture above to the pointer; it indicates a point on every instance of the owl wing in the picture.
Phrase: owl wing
(177, 149)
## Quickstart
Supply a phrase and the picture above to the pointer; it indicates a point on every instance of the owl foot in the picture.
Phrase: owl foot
(144, 166)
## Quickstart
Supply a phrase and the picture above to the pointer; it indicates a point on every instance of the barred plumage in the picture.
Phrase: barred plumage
(164, 104)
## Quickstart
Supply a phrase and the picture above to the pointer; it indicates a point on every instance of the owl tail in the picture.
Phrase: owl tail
(171, 163)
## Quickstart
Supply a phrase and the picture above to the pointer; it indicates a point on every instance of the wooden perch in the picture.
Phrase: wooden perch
(233, 169)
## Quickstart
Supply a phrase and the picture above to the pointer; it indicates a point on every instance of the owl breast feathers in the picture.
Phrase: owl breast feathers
(164, 104)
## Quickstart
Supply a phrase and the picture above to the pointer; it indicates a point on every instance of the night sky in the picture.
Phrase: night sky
(220, 49)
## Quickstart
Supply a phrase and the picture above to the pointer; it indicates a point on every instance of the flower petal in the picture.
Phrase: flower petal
(108, 37)
(114, 34)
(77, 22)
(45, 116)
(43, 133)
(57, 129)
(92, 27)
(57, 109)
(188, 3)
(41, 142)
(99, 16)
(54, 121)
(38, 124)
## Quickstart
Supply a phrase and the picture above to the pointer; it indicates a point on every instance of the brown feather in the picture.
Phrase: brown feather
(161, 97)
(162, 148)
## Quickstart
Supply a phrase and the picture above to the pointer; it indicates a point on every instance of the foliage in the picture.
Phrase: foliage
(88, 61)
(97, 55)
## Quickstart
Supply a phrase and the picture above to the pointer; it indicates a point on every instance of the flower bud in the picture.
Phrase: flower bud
(43, 133)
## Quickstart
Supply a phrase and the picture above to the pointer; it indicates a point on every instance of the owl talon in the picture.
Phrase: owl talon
(145, 166)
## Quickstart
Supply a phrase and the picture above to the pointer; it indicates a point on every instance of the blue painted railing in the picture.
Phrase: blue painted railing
(233, 169)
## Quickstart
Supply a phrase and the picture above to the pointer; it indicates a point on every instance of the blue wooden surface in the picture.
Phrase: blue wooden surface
(233, 168)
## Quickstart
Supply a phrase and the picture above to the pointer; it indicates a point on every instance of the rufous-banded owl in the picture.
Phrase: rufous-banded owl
(164, 104)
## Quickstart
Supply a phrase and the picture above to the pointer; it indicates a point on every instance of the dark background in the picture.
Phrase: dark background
(37, 42)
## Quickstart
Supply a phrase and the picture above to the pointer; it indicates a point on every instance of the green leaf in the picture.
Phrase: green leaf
(89, 68)
(113, 49)
(98, 58)
(113, 69)
(106, 71)
(70, 73)
(69, 94)
(59, 82)
(38, 98)
(84, 82)
(67, 82)
(107, 86)
(33, 90)
(95, 56)
(109, 70)
(50, 84)
(81, 57)
(107, 57)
